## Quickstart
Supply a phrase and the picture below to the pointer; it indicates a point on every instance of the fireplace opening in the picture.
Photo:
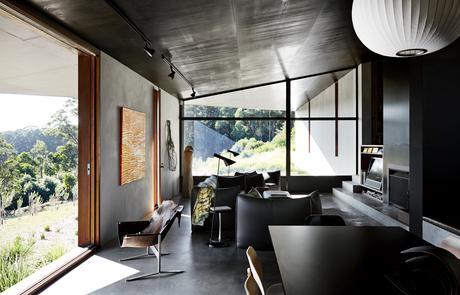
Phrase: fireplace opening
(398, 189)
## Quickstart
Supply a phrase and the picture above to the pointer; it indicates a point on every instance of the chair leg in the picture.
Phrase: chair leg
(219, 243)
(156, 252)
(146, 276)
(148, 254)
(220, 228)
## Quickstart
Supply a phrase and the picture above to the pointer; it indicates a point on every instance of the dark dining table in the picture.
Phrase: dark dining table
(339, 259)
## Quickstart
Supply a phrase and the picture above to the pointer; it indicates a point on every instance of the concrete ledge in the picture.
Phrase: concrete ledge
(436, 232)
(371, 207)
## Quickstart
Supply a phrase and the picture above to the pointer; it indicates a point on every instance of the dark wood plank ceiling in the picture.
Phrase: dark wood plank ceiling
(220, 44)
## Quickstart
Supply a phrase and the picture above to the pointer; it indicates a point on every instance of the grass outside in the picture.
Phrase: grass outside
(30, 242)
(262, 161)
(55, 223)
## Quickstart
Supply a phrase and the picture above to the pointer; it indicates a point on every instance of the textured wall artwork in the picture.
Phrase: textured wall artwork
(132, 162)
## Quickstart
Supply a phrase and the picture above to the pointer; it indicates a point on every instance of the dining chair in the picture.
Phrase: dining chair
(257, 272)
(250, 285)
(318, 219)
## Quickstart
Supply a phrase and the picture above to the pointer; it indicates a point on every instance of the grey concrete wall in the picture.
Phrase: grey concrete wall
(120, 86)
(169, 179)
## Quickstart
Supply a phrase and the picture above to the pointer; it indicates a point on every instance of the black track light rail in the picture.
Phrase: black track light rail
(146, 39)
(128, 21)
(175, 69)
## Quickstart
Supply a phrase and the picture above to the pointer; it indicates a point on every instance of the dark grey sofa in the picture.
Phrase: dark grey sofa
(254, 215)
(224, 197)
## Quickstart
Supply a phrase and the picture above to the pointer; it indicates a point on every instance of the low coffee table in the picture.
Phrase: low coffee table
(276, 194)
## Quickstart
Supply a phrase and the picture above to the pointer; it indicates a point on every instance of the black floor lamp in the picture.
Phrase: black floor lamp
(234, 154)
(219, 209)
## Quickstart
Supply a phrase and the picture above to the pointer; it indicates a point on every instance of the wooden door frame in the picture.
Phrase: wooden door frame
(88, 150)
(156, 149)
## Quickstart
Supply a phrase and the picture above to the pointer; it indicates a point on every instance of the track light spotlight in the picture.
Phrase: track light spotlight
(148, 50)
(193, 93)
(171, 75)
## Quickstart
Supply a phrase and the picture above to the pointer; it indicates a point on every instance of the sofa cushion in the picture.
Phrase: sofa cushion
(230, 181)
(274, 176)
(253, 181)
(245, 173)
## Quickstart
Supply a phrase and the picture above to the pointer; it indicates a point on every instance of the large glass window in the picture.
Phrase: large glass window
(261, 144)
(315, 96)
(38, 152)
(262, 102)
(313, 148)
(253, 123)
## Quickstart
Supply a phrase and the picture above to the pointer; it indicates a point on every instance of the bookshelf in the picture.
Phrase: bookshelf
(367, 152)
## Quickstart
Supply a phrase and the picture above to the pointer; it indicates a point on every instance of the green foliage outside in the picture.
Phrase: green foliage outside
(35, 179)
(262, 143)
(255, 155)
(235, 129)
(28, 178)
(14, 265)
(16, 261)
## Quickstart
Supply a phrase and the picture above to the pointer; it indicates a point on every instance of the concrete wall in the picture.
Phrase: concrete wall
(169, 179)
(120, 86)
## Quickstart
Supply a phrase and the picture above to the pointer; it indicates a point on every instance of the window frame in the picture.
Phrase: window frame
(288, 118)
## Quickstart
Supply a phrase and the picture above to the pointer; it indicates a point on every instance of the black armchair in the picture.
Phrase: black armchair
(254, 215)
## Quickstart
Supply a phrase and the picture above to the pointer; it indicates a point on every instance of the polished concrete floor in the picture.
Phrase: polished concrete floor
(207, 271)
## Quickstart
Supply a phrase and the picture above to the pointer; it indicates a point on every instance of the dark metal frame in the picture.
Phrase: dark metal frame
(287, 118)
(268, 83)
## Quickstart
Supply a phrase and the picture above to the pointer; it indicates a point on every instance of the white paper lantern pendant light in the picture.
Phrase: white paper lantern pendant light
(405, 28)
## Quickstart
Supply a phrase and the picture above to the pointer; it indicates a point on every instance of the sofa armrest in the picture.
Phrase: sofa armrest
(253, 215)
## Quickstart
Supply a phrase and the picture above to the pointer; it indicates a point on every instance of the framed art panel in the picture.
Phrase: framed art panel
(132, 153)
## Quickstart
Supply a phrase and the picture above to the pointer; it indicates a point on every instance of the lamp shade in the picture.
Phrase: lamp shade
(403, 28)
(234, 153)
(227, 161)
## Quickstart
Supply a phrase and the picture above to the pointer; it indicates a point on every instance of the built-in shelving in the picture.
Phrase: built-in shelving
(367, 153)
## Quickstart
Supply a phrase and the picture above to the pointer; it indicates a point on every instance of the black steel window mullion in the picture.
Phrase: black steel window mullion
(336, 105)
(234, 118)
(324, 119)
(309, 125)
(288, 131)
(357, 119)
(181, 141)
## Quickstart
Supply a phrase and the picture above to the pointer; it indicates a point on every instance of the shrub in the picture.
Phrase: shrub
(280, 138)
(42, 236)
(35, 202)
(47, 228)
(14, 266)
(51, 255)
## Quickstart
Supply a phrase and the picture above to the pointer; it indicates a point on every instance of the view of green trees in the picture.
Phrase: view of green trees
(38, 181)
(261, 143)
(42, 172)
(261, 130)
